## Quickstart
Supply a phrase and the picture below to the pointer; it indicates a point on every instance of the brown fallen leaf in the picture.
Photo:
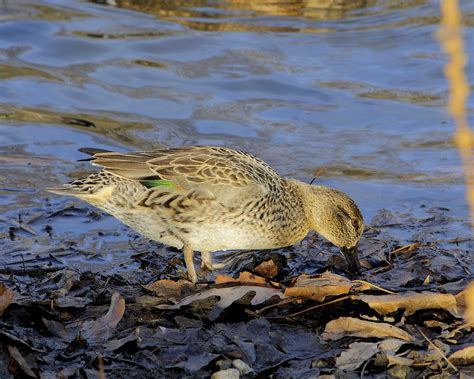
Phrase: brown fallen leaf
(463, 357)
(437, 352)
(20, 359)
(395, 360)
(388, 359)
(227, 296)
(57, 329)
(321, 286)
(100, 330)
(409, 301)
(391, 344)
(6, 298)
(244, 277)
(113, 345)
(267, 268)
(465, 300)
(349, 326)
(166, 289)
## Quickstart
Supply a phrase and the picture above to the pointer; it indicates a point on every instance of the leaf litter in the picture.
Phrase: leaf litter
(65, 311)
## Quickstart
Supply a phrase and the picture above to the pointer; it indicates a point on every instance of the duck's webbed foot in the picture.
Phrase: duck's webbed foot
(206, 262)
(189, 261)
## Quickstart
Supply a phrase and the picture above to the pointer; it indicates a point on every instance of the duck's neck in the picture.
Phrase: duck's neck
(313, 199)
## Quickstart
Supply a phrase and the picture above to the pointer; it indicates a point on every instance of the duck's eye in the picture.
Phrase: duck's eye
(355, 223)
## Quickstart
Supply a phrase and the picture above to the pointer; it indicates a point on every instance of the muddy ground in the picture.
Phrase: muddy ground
(107, 303)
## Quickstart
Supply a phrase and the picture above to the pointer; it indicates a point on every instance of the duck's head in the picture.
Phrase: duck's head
(336, 217)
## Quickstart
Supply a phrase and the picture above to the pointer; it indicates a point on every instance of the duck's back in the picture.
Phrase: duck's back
(215, 198)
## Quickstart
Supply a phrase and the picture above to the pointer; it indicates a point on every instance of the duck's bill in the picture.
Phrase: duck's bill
(352, 258)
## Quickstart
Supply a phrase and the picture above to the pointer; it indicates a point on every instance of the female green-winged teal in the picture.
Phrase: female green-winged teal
(206, 198)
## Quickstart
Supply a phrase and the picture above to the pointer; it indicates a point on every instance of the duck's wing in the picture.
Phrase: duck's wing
(229, 174)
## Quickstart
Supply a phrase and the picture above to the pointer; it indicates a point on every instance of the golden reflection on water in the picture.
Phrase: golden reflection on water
(10, 71)
(101, 124)
(204, 15)
(15, 10)
(451, 39)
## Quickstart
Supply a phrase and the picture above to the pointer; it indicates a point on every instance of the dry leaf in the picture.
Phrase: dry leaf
(101, 329)
(225, 279)
(16, 355)
(436, 324)
(6, 298)
(466, 301)
(244, 277)
(388, 359)
(349, 326)
(395, 360)
(166, 289)
(409, 301)
(57, 329)
(267, 268)
(354, 357)
(360, 352)
(319, 287)
(463, 357)
(391, 344)
(113, 345)
(427, 281)
(227, 296)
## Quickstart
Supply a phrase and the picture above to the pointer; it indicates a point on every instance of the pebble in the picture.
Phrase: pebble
(224, 364)
(243, 367)
(230, 373)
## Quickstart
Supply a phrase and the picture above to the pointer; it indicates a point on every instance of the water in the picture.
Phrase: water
(354, 88)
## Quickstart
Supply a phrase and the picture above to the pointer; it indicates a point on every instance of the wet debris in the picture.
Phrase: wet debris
(6, 297)
(100, 303)
(354, 327)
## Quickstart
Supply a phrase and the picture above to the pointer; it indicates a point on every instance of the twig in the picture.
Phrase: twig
(409, 247)
(130, 361)
(438, 350)
(101, 366)
(283, 302)
(130, 243)
(362, 372)
(458, 240)
(373, 285)
(317, 174)
(384, 226)
(310, 308)
(463, 326)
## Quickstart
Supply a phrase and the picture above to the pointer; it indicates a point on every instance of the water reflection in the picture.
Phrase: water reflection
(244, 15)
(362, 97)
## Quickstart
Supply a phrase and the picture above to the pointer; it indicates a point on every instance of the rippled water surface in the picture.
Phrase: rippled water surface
(353, 90)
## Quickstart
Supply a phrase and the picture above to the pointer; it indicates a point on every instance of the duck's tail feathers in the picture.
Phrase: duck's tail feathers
(91, 151)
(66, 190)
(100, 193)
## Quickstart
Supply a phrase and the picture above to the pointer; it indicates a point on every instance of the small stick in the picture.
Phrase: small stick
(463, 326)
(283, 302)
(409, 247)
(362, 373)
(373, 285)
(101, 366)
(437, 349)
(317, 174)
(310, 308)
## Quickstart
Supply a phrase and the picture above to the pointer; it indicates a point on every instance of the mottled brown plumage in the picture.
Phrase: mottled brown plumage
(214, 198)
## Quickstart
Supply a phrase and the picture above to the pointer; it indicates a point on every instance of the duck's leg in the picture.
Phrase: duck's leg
(206, 261)
(188, 260)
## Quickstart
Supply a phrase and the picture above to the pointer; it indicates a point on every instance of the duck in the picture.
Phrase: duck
(212, 198)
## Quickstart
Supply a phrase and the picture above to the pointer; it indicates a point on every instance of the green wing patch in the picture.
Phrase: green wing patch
(157, 183)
